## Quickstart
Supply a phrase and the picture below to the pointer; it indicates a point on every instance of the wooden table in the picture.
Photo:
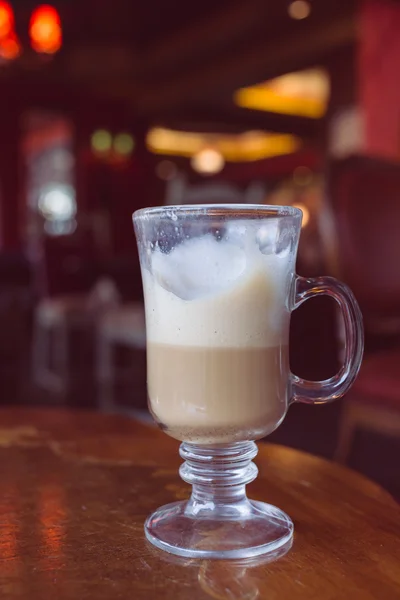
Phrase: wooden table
(75, 489)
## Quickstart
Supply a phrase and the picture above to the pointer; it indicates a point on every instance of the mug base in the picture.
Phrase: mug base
(264, 530)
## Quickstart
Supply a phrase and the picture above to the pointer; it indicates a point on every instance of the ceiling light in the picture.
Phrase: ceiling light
(299, 9)
(302, 93)
(244, 147)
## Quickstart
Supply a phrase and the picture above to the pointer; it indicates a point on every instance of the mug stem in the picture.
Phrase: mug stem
(218, 476)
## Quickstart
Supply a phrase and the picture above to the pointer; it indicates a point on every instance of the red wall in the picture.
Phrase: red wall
(379, 75)
(9, 180)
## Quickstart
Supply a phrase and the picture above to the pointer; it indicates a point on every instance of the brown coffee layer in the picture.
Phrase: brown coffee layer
(217, 395)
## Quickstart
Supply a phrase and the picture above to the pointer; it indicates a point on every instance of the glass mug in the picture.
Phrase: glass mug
(219, 286)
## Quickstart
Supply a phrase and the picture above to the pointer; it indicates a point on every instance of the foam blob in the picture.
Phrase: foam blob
(199, 267)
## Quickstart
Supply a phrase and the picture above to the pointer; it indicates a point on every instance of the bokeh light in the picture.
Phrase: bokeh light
(302, 176)
(306, 213)
(124, 144)
(166, 170)
(6, 19)
(57, 202)
(10, 47)
(45, 29)
(208, 161)
(299, 9)
(56, 228)
(101, 141)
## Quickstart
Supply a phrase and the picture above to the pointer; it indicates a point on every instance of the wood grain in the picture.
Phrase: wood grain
(75, 489)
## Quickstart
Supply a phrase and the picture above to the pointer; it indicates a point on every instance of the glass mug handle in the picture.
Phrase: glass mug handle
(320, 392)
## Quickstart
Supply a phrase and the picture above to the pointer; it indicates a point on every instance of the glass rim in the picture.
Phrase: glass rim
(250, 211)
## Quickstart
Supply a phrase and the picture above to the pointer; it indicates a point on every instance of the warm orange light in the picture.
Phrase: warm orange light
(45, 30)
(208, 161)
(299, 9)
(305, 211)
(303, 93)
(10, 48)
(6, 19)
(243, 147)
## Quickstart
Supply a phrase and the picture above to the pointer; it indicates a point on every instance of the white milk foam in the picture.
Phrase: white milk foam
(217, 294)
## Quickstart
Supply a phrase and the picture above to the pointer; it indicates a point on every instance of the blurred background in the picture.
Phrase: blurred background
(107, 107)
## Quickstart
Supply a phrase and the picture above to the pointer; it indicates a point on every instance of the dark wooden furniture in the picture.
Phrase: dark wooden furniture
(364, 198)
(75, 489)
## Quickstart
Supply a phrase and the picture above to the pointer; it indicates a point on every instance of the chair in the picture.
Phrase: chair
(364, 202)
(64, 275)
(124, 326)
(53, 320)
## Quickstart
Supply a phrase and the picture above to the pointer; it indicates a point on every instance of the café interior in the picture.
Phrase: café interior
(109, 107)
